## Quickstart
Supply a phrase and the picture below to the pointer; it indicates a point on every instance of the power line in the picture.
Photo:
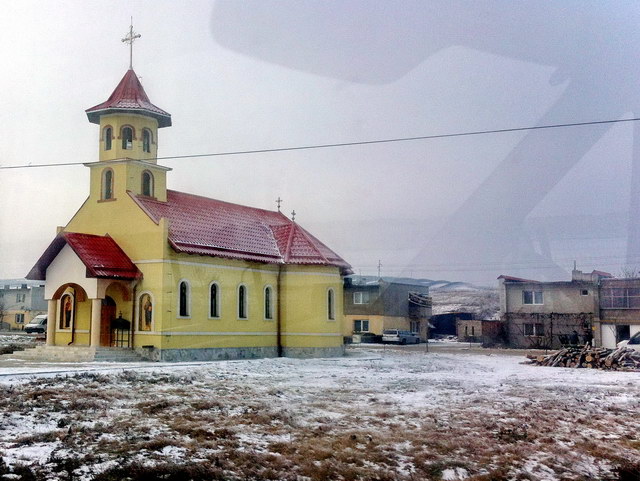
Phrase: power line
(350, 144)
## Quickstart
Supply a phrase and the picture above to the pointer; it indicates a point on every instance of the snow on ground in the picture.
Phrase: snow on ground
(387, 414)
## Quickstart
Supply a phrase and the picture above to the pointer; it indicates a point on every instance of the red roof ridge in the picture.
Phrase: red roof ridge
(235, 204)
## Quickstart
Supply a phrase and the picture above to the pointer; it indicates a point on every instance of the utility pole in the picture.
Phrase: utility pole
(379, 268)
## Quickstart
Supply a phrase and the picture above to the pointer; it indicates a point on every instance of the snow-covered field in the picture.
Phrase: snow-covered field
(375, 414)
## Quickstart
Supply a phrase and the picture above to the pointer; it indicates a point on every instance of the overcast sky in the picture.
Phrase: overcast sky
(271, 74)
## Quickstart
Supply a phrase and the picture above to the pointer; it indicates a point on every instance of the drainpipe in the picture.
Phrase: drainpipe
(278, 312)
(133, 314)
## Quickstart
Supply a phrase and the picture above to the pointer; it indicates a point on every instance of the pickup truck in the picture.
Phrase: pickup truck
(397, 336)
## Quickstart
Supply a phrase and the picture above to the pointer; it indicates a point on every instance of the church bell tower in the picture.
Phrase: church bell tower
(128, 145)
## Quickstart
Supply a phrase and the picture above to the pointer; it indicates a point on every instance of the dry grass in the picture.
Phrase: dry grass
(216, 425)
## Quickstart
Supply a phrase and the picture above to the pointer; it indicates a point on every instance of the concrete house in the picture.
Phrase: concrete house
(619, 310)
(549, 314)
(372, 305)
(20, 301)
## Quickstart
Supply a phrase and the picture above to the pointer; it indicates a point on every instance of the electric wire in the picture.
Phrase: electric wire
(348, 144)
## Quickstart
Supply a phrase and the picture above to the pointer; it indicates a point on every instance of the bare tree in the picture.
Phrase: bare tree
(629, 272)
(3, 313)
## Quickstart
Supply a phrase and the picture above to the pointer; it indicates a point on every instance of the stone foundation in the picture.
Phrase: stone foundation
(226, 353)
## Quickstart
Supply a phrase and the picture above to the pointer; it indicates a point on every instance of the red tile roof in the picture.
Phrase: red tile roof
(129, 96)
(101, 255)
(203, 226)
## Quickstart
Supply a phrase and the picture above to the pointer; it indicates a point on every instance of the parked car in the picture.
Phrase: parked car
(37, 324)
(632, 343)
(397, 336)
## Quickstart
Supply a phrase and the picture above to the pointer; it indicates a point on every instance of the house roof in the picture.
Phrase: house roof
(517, 279)
(129, 97)
(101, 255)
(202, 226)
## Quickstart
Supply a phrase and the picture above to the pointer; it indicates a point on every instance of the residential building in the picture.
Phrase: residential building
(619, 309)
(549, 314)
(20, 301)
(372, 305)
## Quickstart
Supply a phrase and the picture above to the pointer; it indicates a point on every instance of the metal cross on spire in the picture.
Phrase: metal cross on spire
(293, 215)
(130, 38)
(278, 201)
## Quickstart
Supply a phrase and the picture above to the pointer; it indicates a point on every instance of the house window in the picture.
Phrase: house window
(532, 297)
(533, 329)
(361, 297)
(107, 184)
(20, 297)
(415, 326)
(145, 312)
(108, 134)
(584, 292)
(242, 302)
(19, 318)
(66, 311)
(268, 303)
(331, 308)
(147, 183)
(184, 299)
(214, 300)
(620, 298)
(361, 325)
(146, 140)
(127, 138)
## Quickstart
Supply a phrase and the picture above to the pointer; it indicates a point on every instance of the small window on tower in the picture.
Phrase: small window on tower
(107, 184)
(147, 183)
(107, 138)
(146, 140)
(127, 138)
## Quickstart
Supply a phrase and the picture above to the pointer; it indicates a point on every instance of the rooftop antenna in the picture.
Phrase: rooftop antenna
(278, 202)
(130, 38)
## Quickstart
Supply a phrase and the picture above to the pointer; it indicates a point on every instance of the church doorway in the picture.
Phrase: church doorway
(108, 315)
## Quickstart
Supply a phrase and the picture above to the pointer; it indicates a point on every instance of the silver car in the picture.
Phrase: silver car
(397, 336)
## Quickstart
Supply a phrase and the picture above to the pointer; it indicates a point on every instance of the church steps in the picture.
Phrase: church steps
(75, 354)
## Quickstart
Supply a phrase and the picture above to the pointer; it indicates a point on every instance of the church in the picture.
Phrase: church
(175, 276)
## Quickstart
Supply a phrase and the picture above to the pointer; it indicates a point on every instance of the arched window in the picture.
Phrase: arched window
(108, 133)
(127, 138)
(331, 305)
(145, 312)
(146, 140)
(147, 183)
(268, 303)
(107, 184)
(214, 300)
(184, 299)
(243, 312)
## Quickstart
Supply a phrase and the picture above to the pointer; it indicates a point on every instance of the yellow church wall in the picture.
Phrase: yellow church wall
(138, 122)
(122, 219)
(200, 272)
(305, 320)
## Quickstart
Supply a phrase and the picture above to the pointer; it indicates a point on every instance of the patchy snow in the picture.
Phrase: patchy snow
(394, 412)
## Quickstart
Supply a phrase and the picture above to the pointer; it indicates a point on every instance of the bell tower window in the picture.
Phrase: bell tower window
(147, 183)
(107, 184)
(127, 138)
(146, 140)
(108, 133)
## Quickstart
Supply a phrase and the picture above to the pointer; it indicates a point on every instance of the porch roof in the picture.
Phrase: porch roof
(101, 255)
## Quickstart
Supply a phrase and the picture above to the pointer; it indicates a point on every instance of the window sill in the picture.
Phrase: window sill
(113, 199)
